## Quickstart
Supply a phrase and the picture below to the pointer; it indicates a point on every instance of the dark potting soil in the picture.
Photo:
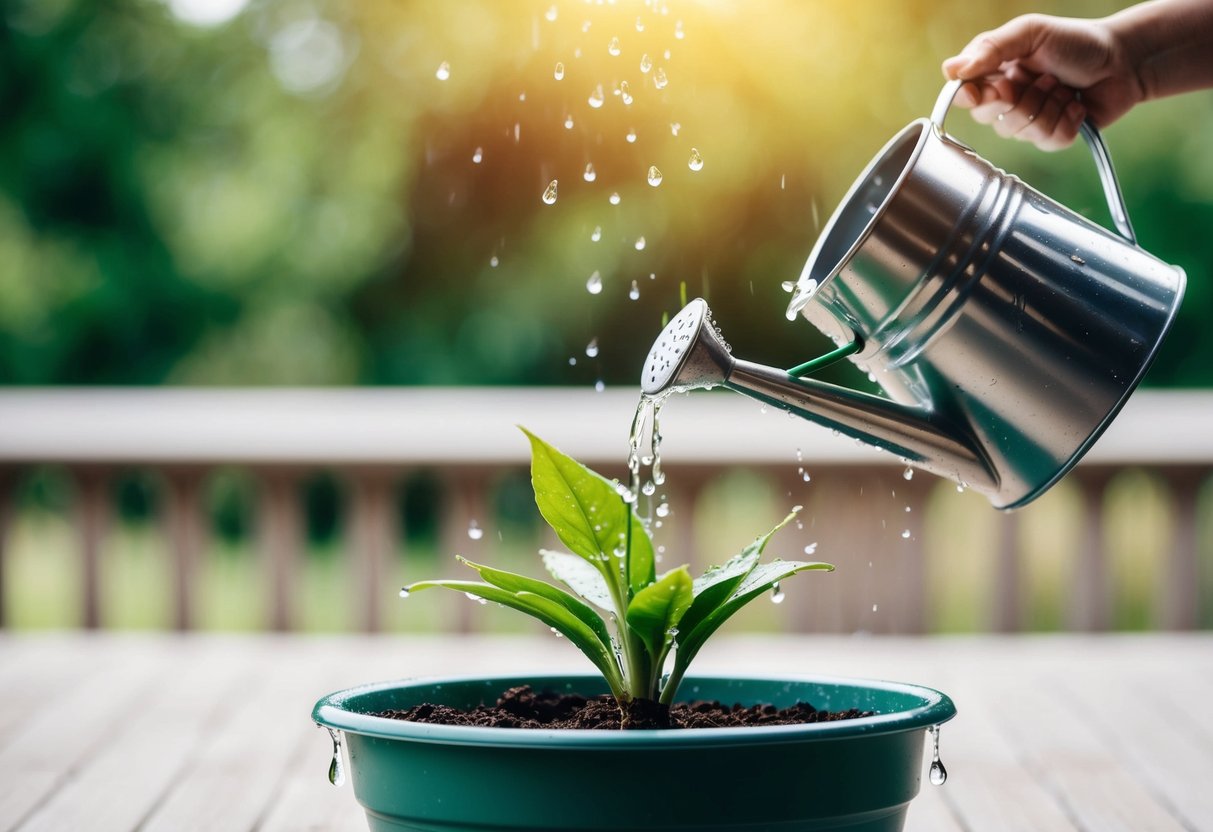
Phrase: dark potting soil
(521, 707)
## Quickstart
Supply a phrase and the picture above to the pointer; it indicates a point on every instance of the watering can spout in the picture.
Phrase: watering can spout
(690, 354)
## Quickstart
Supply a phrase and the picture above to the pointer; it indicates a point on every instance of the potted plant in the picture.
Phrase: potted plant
(857, 774)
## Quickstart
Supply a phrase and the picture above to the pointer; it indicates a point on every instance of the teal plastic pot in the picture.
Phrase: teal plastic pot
(856, 775)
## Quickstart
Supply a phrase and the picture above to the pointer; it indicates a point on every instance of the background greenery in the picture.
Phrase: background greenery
(284, 192)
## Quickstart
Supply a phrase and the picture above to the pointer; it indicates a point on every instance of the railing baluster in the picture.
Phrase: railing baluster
(280, 528)
(1090, 610)
(93, 513)
(1005, 614)
(186, 532)
(8, 479)
(1181, 588)
(373, 535)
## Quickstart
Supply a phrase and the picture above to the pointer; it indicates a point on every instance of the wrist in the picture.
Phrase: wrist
(1130, 52)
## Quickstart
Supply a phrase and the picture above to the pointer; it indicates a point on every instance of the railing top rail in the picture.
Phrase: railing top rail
(468, 426)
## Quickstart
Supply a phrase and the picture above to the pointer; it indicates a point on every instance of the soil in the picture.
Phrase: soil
(521, 707)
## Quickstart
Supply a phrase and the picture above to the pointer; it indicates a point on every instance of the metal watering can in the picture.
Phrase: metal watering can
(1005, 330)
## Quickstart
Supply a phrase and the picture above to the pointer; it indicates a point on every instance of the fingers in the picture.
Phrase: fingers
(1043, 111)
(990, 50)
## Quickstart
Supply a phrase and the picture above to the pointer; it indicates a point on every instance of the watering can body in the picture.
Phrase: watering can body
(1004, 330)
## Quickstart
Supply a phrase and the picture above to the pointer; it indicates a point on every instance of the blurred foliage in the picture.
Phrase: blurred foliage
(286, 192)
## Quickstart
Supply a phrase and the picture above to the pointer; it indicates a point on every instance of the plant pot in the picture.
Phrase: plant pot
(856, 775)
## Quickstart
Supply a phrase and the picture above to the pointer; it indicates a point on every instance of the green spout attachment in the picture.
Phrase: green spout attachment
(802, 370)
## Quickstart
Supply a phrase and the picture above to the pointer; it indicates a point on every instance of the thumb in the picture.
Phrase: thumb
(989, 50)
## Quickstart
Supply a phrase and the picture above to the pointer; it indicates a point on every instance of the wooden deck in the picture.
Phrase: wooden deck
(104, 731)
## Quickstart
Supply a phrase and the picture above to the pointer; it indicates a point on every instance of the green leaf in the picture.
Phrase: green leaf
(657, 609)
(521, 583)
(579, 576)
(642, 566)
(551, 613)
(583, 508)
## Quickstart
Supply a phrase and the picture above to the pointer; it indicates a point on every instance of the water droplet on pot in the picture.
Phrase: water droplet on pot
(939, 774)
(337, 766)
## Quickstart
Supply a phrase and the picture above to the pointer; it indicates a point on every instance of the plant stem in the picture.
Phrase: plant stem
(671, 685)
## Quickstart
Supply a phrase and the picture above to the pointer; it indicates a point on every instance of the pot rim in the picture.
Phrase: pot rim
(331, 711)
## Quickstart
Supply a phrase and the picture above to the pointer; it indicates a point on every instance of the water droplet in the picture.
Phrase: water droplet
(593, 284)
(634, 292)
(477, 155)
(596, 234)
(905, 535)
(939, 774)
(696, 161)
(613, 198)
(811, 548)
(591, 349)
(646, 63)
(559, 71)
(776, 593)
(493, 261)
(599, 386)
(631, 136)
(675, 127)
(907, 509)
(659, 78)
(443, 72)
(648, 489)
(597, 99)
(613, 47)
(585, 26)
(517, 132)
(550, 14)
(875, 607)
(678, 33)
(557, 632)
(549, 193)
(788, 286)
(1078, 260)
(590, 174)
(961, 486)
(337, 766)
(908, 473)
(654, 176)
(568, 122)
(639, 24)
(474, 530)
(663, 509)
(639, 244)
(404, 592)
(625, 93)
(572, 361)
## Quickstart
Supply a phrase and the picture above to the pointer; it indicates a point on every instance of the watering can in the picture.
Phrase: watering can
(1005, 331)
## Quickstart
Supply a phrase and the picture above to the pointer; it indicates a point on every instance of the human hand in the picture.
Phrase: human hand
(1037, 77)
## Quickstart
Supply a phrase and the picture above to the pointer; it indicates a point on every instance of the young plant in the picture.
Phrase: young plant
(611, 566)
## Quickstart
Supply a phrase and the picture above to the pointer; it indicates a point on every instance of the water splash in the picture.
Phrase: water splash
(337, 766)
(593, 284)
(443, 72)
(696, 160)
(549, 193)
(655, 176)
(939, 774)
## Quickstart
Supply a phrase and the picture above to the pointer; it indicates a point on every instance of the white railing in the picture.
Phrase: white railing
(374, 438)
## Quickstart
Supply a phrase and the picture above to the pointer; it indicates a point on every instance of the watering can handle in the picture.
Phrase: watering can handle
(1099, 150)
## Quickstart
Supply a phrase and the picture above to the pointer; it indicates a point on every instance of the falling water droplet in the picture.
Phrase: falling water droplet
(659, 78)
(654, 176)
(788, 286)
(905, 535)
(776, 593)
(568, 122)
(663, 509)
(631, 136)
(478, 155)
(337, 766)
(559, 72)
(493, 261)
(646, 63)
(649, 488)
(596, 234)
(549, 193)
(875, 607)
(599, 386)
(591, 349)
(675, 126)
(443, 72)
(634, 292)
(639, 24)
(678, 33)
(593, 285)
(550, 14)
(597, 99)
(908, 473)
(613, 47)
(474, 530)
(585, 26)
(696, 160)
(960, 487)
(590, 174)
(639, 244)
(811, 548)
(613, 198)
(939, 774)
(625, 93)
(404, 592)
